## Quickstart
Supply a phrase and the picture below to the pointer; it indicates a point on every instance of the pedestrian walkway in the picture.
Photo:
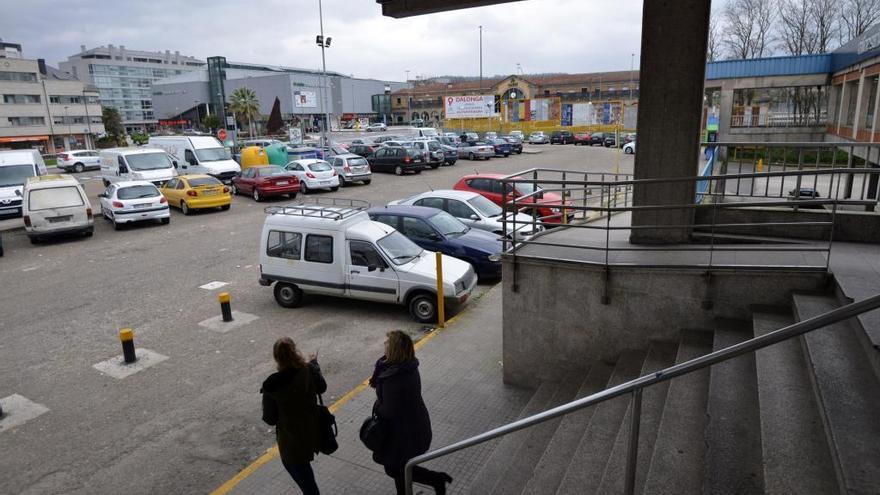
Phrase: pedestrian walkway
(462, 385)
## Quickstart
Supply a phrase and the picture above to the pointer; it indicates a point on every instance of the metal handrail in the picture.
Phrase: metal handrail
(635, 387)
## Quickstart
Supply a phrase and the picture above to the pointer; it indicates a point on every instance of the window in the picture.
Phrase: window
(872, 98)
(54, 197)
(287, 245)
(459, 209)
(430, 202)
(852, 94)
(364, 254)
(21, 99)
(202, 181)
(181, 185)
(319, 248)
(136, 192)
(26, 121)
(171, 184)
(398, 101)
(19, 76)
(481, 184)
(415, 227)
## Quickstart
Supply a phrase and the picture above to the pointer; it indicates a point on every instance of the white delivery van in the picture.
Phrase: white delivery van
(128, 164)
(199, 155)
(55, 205)
(15, 168)
(428, 132)
(331, 248)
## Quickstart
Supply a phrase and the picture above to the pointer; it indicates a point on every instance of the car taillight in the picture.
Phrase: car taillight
(335, 173)
(27, 220)
(117, 204)
(346, 168)
(310, 175)
(162, 201)
(225, 189)
(407, 159)
(64, 157)
(89, 213)
(192, 193)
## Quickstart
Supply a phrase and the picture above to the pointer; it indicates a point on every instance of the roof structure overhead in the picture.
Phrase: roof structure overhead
(409, 8)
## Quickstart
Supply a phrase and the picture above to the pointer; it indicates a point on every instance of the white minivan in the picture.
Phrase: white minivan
(128, 164)
(55, 205)
(15, 168)
(199, 155)
(332, 248)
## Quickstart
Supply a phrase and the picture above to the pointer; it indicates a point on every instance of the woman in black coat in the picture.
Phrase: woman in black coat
(405, 422)
(290, 403)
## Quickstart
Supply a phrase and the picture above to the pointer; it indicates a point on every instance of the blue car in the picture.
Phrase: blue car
(436, 230)
(502, 147)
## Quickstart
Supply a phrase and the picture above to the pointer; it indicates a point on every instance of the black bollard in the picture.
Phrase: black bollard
(225, 308)
(126, 335)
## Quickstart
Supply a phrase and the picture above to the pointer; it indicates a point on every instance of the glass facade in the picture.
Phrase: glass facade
(129, 89)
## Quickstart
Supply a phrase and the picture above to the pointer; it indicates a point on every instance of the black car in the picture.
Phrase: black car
(610, 141)
(382, 139)
(515, 144)
(397, 159)
(363, 150)
(561, 137)
(598, 138)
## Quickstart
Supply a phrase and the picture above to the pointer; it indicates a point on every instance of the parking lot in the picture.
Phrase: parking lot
(192, 421)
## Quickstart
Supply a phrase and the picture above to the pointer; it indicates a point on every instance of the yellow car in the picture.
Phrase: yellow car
(196, 192)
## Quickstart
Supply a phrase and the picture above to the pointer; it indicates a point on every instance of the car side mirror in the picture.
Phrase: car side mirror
(174, 162)
(474, 217)
(18, 193)
(372, 267)
(102, 195)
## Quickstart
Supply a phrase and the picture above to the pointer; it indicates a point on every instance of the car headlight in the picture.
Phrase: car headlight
(495, 257)
(556, 210)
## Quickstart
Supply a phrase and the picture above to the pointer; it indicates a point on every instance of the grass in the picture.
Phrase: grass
(51, 162)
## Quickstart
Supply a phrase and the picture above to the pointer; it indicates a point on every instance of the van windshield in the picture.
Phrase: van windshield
(428, 132)
(400, 249)
(54, 197)
(212, 154)
(148, 161)
(15, 175)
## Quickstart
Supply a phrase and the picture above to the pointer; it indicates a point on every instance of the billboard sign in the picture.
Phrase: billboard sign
(470, 106)
(305, 99)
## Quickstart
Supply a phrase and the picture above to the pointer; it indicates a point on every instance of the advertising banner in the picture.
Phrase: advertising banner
(566, 114)
(305, 99)
(583, 114)
(474, 106)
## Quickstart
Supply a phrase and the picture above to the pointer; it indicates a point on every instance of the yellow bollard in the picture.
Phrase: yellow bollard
(760, 164)
(441, 310)
(126, 336)
(225, 308)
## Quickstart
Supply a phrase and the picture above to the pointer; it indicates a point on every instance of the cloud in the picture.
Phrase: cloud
(541, 35)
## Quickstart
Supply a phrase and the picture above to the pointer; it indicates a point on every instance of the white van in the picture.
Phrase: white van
(199, 155)
(128, 164)
(56, 205)
(332, 248)
(428, 132)
(15, 168)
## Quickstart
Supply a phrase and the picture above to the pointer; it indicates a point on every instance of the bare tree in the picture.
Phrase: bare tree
(747, 31)
(825, 16)
(857, 16)
(796, 30)
(713, 48)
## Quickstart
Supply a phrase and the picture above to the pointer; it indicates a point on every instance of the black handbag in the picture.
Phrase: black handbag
(373, 433)
(327, 443)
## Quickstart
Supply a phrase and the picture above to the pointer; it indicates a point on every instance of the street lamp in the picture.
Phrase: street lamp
(67, 123)
(323, 43)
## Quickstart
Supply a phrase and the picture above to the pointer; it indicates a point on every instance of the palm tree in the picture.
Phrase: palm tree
(245, 104)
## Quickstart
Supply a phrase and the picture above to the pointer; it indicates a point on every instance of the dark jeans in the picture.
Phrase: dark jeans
(304, 477)
(420, 475)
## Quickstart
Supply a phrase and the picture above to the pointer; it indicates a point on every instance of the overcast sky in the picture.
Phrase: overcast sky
(541, 35)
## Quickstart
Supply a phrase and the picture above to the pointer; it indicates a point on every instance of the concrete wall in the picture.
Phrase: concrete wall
(849, 226)
(557, 324)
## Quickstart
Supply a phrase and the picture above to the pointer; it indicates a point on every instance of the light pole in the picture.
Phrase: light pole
(632, 58)
(481, 59)
(323, 43)
(67, 123)
(88, 119)
(407, 75)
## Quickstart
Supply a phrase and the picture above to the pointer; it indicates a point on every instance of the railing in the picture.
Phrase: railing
(778, 120)
(636, 386)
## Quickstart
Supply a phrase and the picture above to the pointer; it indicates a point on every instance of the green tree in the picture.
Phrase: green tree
(246, 106)
(112, 122)
(211, 122)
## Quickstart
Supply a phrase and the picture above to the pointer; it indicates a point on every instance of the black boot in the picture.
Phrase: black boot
(439, 485)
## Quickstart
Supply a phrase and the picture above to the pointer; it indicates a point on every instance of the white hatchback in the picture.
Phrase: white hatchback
(78, 161)
(314, 174)
(133, 201)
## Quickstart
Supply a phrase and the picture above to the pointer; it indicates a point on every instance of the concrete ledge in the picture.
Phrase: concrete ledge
(18, 410)
(11, 224)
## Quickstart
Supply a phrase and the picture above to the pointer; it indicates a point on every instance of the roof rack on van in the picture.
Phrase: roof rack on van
(321, 207)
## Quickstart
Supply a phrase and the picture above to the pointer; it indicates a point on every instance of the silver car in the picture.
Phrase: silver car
(475, 211)
(538, 137)
(351, 168)
(78, 161)
(473, 150)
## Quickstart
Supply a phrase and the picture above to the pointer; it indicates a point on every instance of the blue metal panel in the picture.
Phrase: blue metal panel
(771, 66)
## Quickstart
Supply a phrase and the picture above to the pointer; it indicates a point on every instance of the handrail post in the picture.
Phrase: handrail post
(633, 450)
(407, 479)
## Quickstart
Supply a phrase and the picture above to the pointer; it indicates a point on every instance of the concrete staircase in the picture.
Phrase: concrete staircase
(802, 416)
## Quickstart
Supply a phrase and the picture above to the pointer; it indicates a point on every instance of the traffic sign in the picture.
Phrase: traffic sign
(222, 134)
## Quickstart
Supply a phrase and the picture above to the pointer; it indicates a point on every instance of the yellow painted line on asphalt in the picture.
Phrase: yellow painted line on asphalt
(272, 452)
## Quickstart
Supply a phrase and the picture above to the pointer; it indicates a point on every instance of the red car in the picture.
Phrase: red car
(582, 138)
(262, 182)
(489, 186)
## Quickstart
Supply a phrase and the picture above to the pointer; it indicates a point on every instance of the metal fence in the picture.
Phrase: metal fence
(779, 120)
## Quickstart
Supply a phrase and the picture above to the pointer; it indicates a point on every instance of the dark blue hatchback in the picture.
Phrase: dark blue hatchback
(436, 230)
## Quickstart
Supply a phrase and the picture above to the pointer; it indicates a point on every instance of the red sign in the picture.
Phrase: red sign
(173, 122)
(222, 134)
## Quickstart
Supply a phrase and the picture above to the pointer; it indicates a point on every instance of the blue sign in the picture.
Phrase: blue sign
(606, 113)
(566, 114)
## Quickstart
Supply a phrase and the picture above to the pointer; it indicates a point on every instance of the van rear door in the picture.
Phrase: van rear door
(57, 208)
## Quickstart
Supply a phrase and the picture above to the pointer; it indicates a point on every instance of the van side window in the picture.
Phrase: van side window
(121, 161)
(319, 248)
(284, 245)
(364, 254)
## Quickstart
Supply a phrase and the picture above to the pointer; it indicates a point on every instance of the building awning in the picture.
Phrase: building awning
(18, 139)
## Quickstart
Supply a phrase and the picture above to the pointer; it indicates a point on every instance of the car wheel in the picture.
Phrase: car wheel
(423, 308)
(89, 233)
(398, 170)
(256, 195)
(417, 172)
(519, 152)
(303, 188)
(233, 190)
(35, 240)
(291, 196)
(334, 188)
(367, 182)
(78, 168)
(225, 207)
(470, 156)
(288, 295)
(184, 208)
(116, 225)
(165, 221)
(342, 181)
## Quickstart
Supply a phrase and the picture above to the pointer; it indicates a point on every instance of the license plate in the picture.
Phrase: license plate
(282, 183)
(59, 219)
(325, 182)
(210, 193)
(143, 205)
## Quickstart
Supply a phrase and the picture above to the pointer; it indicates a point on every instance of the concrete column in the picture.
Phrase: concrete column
(725, 114)
(861, 106)
(876, 113)
(671, 77)
(840, 108)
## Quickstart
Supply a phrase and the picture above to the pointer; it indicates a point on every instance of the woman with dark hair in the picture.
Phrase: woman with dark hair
(290, 403)
(405, 422)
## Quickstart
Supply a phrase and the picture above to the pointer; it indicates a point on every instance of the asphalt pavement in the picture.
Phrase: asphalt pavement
(189, 422)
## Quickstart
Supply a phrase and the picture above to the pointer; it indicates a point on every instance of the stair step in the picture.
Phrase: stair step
(660, 356)
(548, 472)
(795, 451)
(848, 393)
(508, 445)
(588, 461)
(677, 462)
(733, 436)
(522, 466)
